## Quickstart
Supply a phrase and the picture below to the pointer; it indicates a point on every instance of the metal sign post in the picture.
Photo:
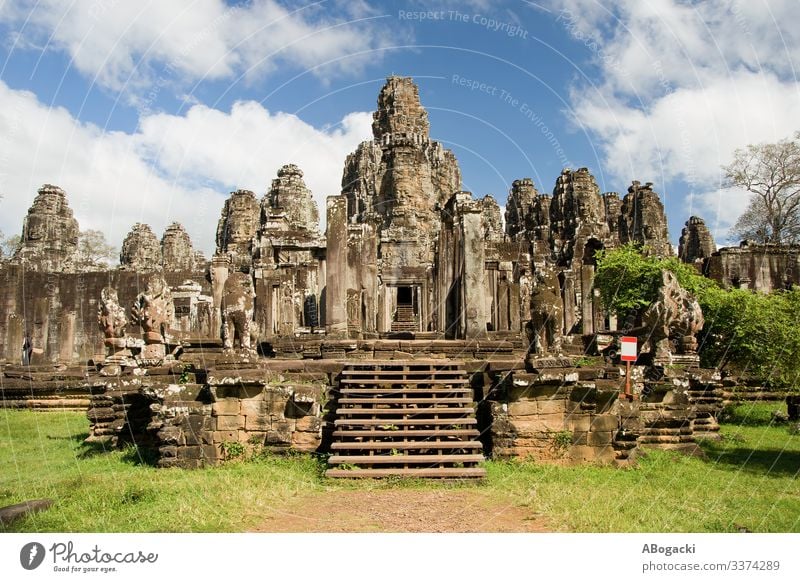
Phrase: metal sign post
(628, 355)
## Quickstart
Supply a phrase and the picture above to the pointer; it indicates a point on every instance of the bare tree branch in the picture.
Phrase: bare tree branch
(771, 172)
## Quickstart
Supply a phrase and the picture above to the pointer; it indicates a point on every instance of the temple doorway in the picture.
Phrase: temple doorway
(406, 316)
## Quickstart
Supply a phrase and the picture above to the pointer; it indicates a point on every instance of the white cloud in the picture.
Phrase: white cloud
(129, 45)
(173, 168)
(684, 84)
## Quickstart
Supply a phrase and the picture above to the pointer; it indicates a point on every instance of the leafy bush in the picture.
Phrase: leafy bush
(629, 279)
(752, 332)
(756, 333)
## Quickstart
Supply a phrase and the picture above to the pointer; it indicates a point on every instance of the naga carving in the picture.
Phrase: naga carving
(154, 311)
(674, 318)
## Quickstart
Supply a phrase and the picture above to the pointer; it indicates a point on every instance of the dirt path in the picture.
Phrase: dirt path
(402, 510)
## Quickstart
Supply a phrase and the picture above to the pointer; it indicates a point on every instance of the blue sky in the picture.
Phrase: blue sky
(154, 111)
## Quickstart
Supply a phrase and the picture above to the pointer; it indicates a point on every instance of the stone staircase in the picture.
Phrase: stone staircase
(411, 418)
(405, 319)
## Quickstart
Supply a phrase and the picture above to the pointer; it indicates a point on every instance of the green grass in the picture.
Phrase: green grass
(747, 481)
(114, 492)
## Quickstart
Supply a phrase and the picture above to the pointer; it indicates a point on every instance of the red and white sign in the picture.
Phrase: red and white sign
(628, 351)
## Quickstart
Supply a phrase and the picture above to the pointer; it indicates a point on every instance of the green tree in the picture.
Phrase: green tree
(629, 279)
(752, 333)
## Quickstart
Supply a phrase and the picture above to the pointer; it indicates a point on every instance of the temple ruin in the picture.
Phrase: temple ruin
(421, 332)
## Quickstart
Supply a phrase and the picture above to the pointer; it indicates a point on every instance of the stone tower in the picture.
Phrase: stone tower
(49, 233)
(401, 175)
(521, 199)
(383, 229)
(176, 249)
(643, 221)
(577, 216)
(696, 242)
(238, 226)
(289, 195)
(141, 250)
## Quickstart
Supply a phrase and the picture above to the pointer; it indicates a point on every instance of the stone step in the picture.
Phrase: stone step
(412, 412)
(442, 473)
(429, 400)
(404, 459)
(377, 445)
(426, 433)
(373, 365)
(404, 421)
(390, 381)
(440, 391)
(392, 373)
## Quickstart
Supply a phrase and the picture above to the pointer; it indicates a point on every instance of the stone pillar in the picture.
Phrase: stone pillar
(368, 272)
(514, 307)
(15, 335)
(569, 302)
(474, 272)
(220, 269)
(587, 300)
(502, 305)
(66, 344)
(336, 279)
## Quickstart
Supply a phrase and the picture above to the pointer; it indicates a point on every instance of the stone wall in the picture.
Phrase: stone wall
(234, 411)
(760, 267)
(59, 310)
(558, 412)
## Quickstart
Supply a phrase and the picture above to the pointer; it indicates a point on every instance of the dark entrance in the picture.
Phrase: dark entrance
(405, 316)
(405, 297)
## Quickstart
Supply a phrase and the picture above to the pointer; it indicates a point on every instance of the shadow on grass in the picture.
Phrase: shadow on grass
(756, 414)
(131, 453)
(770, 462)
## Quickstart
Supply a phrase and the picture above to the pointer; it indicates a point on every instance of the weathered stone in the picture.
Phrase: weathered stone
(674, 312)
(759, 267)
(237, 310)
(253, 407)
(141, 251)
(112, 320)
(237, 226)
(643, 220)
(176, 250)
(171, 435)
(305, 441)
(226, 407)
(289, 194)
(49, 233)
(696, 243)
(226, 423)
(527, 426)
(308, 424)
(257, 422)
(606, 423)
(154, 310)
(12, 513)
(225, 436)
(579, 422)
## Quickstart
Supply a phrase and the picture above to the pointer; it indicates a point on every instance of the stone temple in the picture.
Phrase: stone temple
(420, 333)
